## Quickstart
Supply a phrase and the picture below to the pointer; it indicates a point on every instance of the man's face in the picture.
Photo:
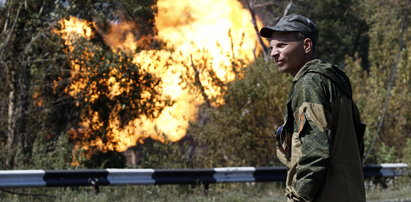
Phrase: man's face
(288, 52)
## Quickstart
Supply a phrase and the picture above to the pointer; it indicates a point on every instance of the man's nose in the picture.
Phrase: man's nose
(274, 52)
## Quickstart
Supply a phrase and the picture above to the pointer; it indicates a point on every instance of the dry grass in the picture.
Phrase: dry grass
(241, 192)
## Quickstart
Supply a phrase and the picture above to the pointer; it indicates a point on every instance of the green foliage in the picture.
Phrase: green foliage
(104, 12)
(342, 29)
(108, 159)
(383, 93)
(141, 12)
(154, 154)
(48, 153)
(356, 34)
(407, 152)
(35, 70)
(239, 133)
(51, 154)
(110, 85)
(28, 57)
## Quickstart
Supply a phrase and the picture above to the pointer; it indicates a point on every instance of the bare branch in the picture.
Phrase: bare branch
(254, 21)
(265, 4)
(288, 8)
(6, 41)
(198, 83)
(7, 21)
(42, 7)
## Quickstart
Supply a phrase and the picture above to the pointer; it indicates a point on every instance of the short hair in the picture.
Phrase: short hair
(300, 36)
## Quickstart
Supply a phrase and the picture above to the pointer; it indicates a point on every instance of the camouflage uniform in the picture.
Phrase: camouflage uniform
(321, 141)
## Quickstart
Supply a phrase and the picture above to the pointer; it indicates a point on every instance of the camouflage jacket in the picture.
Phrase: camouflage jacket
(321, 141)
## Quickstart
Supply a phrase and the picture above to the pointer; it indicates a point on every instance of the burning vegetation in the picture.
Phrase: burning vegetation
(125, 72)
(136, 91)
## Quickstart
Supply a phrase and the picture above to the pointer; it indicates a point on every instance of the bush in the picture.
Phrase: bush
(239, 133)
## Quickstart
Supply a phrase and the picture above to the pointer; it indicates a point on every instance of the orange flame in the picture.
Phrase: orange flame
(201, 37)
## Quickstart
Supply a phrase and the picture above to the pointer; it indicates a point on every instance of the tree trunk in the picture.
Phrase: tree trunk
(18, 73)
(17, 113)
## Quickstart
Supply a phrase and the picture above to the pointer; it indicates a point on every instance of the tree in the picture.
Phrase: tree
(239, 133)
(25, 26)
(343, 30)
(36, 74)
(382, 93)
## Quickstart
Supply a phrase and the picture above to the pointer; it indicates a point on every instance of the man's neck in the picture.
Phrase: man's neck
(303, 69)
(308, 58)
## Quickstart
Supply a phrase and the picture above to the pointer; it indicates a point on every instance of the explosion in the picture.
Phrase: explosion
(207, 43)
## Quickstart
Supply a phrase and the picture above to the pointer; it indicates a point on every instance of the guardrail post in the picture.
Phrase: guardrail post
(94, 182)
(206, 188)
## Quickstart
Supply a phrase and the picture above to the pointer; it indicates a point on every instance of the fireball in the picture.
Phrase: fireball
(208, 42)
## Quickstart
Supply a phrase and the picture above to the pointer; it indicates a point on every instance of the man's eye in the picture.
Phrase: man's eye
(281, 45)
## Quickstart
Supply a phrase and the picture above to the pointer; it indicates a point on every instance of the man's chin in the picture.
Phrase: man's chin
(281, 69)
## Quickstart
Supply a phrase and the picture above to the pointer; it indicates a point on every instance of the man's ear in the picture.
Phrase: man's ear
(308, 45)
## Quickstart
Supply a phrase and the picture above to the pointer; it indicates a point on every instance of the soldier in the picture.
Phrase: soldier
(321, 140)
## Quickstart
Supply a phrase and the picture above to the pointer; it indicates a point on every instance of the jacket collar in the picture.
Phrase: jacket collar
(304, 69)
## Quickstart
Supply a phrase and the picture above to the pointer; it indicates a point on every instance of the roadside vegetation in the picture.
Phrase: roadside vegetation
(369, 39)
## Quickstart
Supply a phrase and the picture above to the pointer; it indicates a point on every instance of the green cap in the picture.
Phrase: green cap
(293, 23)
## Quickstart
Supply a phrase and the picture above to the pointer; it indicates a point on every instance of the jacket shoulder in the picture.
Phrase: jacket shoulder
(329, 72)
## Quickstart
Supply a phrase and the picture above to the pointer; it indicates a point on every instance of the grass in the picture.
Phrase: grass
(216, 192)
(394, 191)
(237, 192)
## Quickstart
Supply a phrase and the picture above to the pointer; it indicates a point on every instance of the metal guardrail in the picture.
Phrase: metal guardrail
(386, 170)
(102, 177)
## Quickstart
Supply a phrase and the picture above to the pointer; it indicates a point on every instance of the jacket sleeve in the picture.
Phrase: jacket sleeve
(311, 111)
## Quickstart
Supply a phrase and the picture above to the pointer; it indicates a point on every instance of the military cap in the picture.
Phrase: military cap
(293, 23)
